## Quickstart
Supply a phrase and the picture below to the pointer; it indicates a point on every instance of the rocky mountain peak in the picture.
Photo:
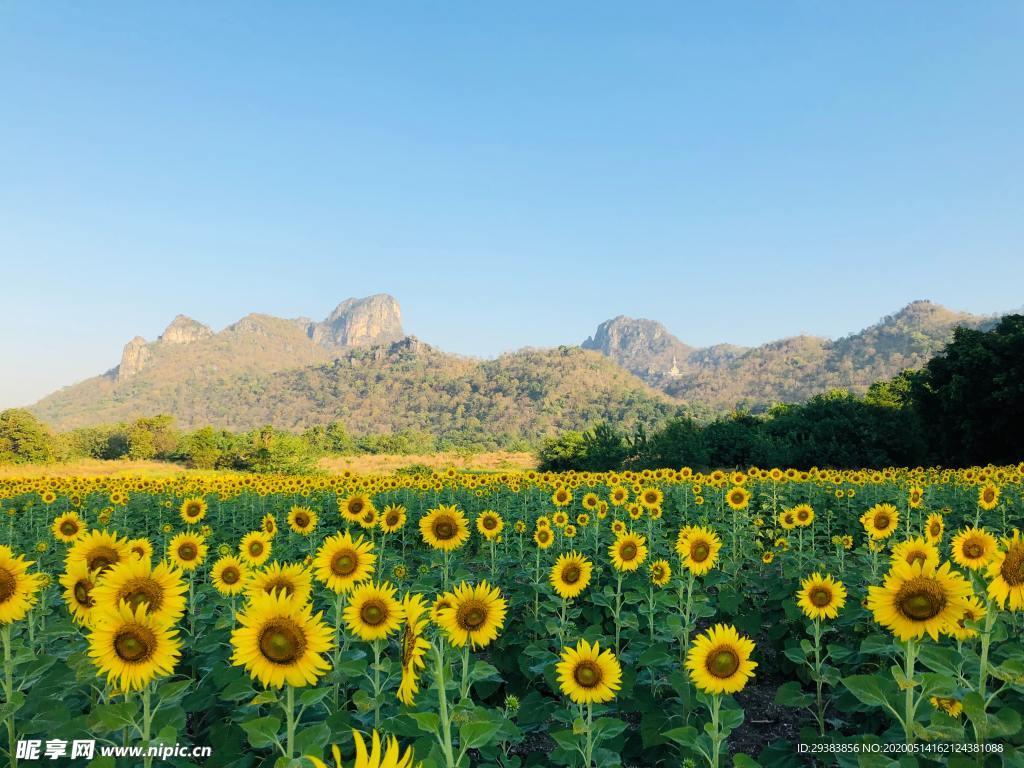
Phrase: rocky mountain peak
(185, 330)
(362, 322)
(133, 359)
(641, 346)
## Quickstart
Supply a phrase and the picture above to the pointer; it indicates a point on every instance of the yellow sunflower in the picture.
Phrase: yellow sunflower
(975, 611)
(445, 527)
(915, 498)
(588, 675)
(988, 497)
(719, 660)
(934, 528)
(661, 573)
(373, 613)
(291, 579)
(141, 548)
(353, 507)
(229, 575)
(158, 590)
(280, 641)
(698, 549)
(302, 520)
(973, 548)
(1006, 574)
(737, 497)
(880, 521)
(915, 550)
(78, 584)
(476, 615)
(132, 647)
(490, 524)
(562, 497)
(187, 551)
(255, 548)
(803, 515)
(919, 598)
(650, 498)
(68, 527)
(628, 552)
(951, 707)
(342, 562)
(821, 597)
(18, 587)
(570, 575)
(193, 510)
(543, 538)
(414, 647)
(98, 550)
(393, 518)
(386, 755)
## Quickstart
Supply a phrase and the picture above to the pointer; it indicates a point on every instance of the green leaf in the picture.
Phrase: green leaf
(608, 728)
(873, 690)
(427, 722)
(477, 733)
(685, 736)
(313, 740)
(262, 731)
(791, 694)
(313, 696)
(481, 670)
(114, 717)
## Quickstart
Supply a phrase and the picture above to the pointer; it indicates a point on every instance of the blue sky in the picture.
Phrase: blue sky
(514, 173)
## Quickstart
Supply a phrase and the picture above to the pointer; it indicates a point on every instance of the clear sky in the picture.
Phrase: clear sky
(514, 173)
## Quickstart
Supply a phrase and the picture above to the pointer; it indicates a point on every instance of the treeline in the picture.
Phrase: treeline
(965, 407)
(24, 439)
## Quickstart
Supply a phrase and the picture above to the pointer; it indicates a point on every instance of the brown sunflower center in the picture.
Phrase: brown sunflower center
(69, 528)
(344, 563)
(1012, 569)
(973, 549)
(921, 599)
(134, 643)
(302, 520)
(587, 674)
(471, 616)
(444, 528)
(821, 596)
(699, 551)
(102, 558)
(145, 592)
(490, 523)
(988, 495)
(628, 551)
(81, 591)
(916, 556)
(193, 510)
(279, 584)
(230, 575)
(355, 507)
(935, 529)
(571, 574)
(882, 520)
(256, 548)
(282, 642)
(373, 612)
(8, 585)
(391, 519)
(723, 663)
(188, 551)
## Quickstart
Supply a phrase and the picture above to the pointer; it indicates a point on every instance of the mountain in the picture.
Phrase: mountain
(789, 370)
(355, 366)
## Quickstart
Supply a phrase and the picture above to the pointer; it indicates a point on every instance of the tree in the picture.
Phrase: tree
(24, 439)
(153, 437)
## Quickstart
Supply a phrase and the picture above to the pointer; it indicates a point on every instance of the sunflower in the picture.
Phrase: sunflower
(132, 647)
(719, 660)
(767, 557)
(78, 584)
(821, 597)
(737, 498)
(141, 548)
(444, 527)
(18, 587)
(68, 527)
(414, 647)
(368, 519)
(302, 520)
(628, 552)
(787, 519)
(588, 675)
(988, 497)
(618, 495)
(158, 590)
(562, 497)
(933, 528)
(698, 549)
(590, 501)
(490, 524)
(476, 615)
(973, 548)
(386, 755)
(880, 521)
(187, 551)
(650, 498)
(918, 598)
(291, 579)
(951, 707)
(559, 519)
(269, 525)
(193, 510)
(280, 641)
(229, 575)
(98, 550)
(570, 575)
(373, 613)
(1006, 574)
(392, 519)
(803, 515)
(353, 507)
(255, 548)
(914, 551)
(915, 498)
(975, 611)
(661, 573)
(342, 562)
(441, 602)
(543, 538)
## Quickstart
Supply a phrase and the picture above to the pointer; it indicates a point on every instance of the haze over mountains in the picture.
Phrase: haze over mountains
(359, 366)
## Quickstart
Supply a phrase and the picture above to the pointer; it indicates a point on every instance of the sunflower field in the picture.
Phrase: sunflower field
(658, 618)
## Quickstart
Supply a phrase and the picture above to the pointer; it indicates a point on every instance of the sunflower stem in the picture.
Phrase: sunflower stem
(588, 756)
(618, 610)
(716, 735)
(818, 677)
(910, 705)
(147, 723)
(378, 647)
(445, 737)
(464, 688)
(9, 695)
(289, 712)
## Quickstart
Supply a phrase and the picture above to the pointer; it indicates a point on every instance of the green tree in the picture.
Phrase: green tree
(24, 439)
